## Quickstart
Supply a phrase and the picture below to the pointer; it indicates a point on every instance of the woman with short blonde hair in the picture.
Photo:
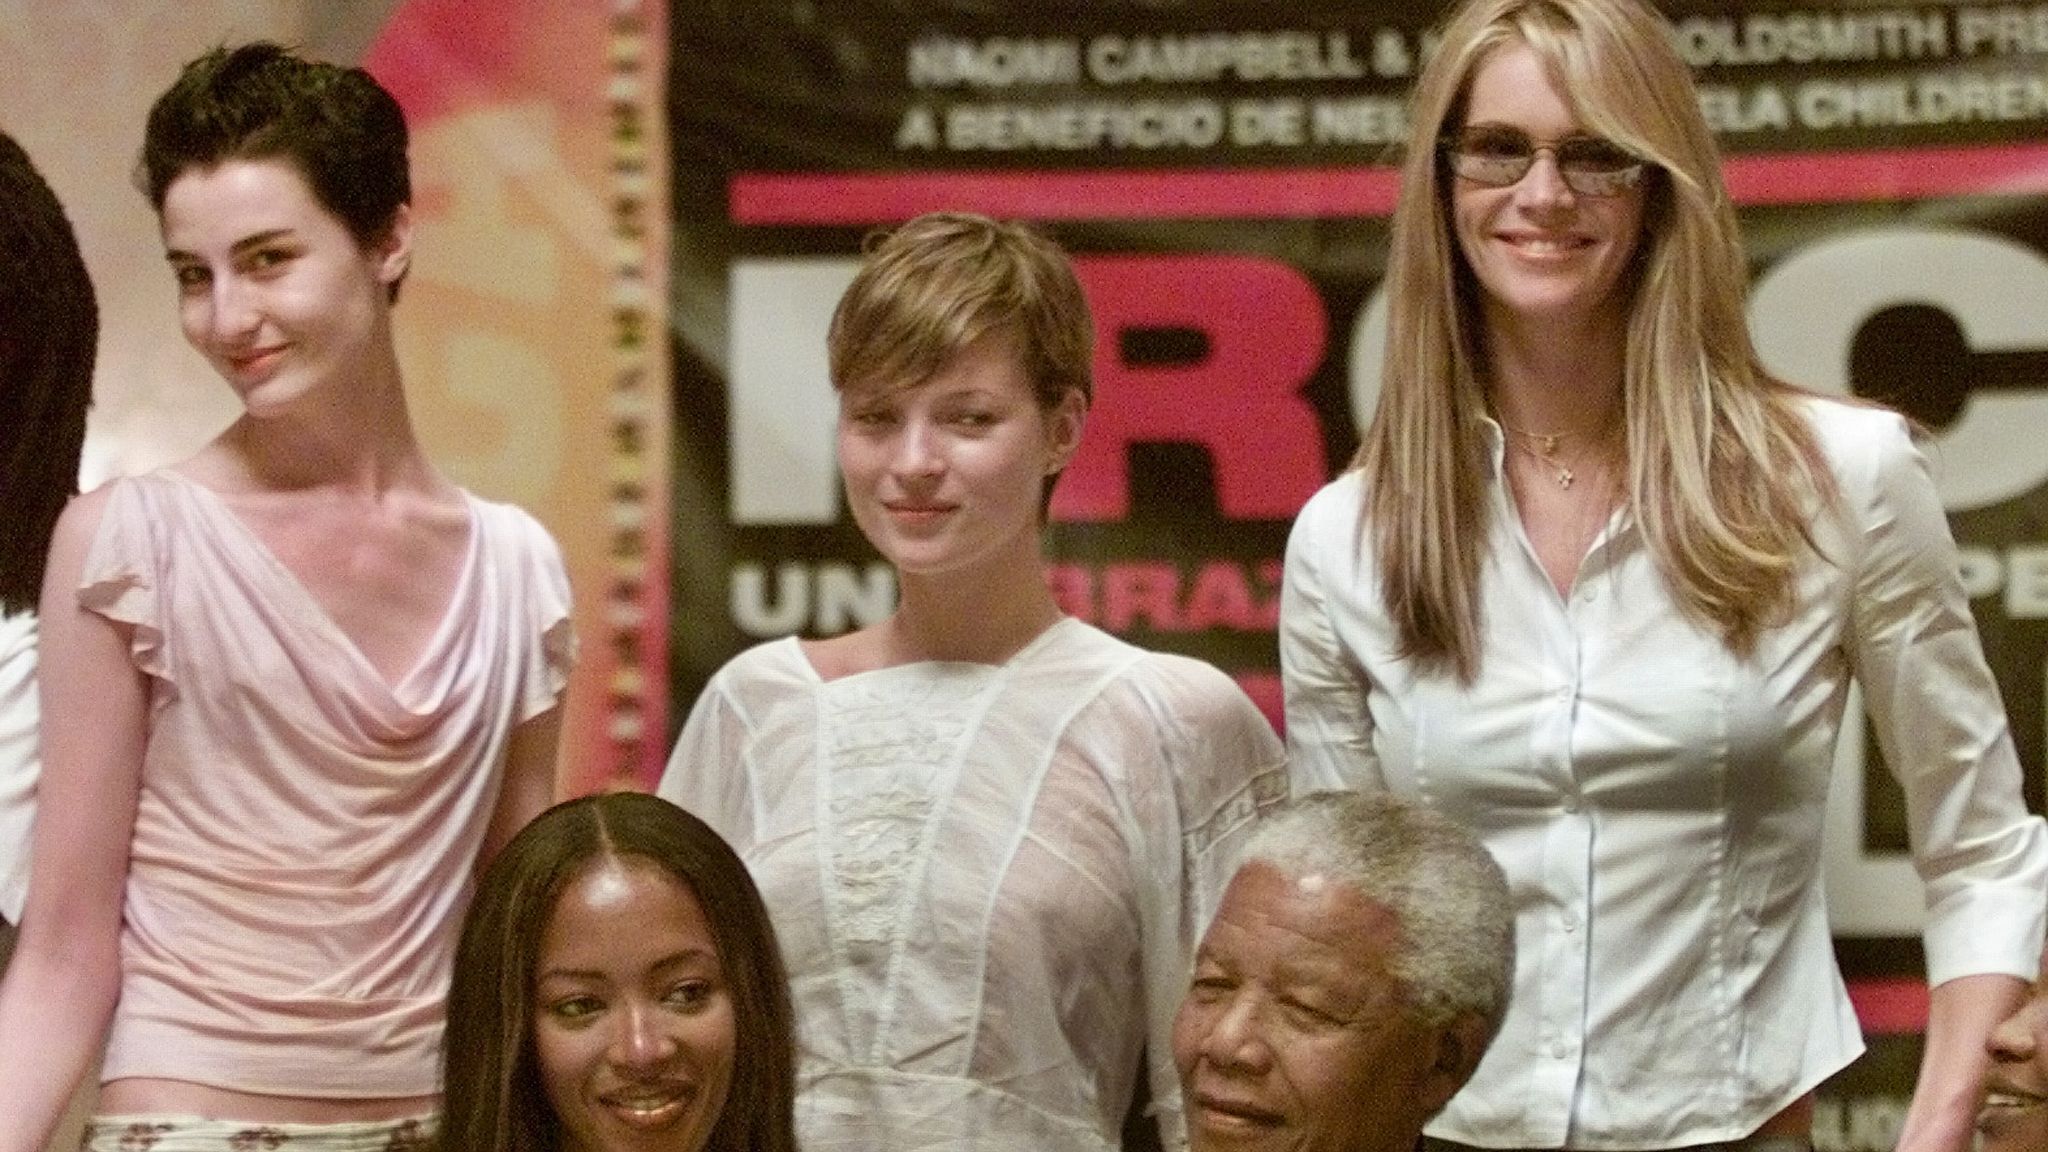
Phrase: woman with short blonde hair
(988, 832)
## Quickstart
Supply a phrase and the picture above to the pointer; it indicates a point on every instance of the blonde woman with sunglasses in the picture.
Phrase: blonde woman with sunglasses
(1598, 586)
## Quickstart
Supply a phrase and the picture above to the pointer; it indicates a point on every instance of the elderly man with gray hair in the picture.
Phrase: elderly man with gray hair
(1356, 970)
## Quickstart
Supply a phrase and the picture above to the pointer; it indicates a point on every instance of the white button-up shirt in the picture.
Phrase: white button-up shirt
(1657, 802)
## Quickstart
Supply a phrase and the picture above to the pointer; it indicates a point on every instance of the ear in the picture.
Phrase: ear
(1063, 430)
(392, 251)
(1459, 1045)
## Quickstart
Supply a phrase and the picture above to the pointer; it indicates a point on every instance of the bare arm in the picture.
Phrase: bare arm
(61, 989)
(529, 787)
(1959, 1021)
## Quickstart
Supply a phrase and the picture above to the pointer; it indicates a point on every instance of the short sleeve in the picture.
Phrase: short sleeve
(548, 607)
(707, 770)
(1937, 713)
(1329, 728)
(123, 575)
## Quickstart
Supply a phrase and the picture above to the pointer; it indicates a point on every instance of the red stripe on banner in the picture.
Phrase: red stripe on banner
(1895, 174)
(858, 198)
(1890, 1007)
(1264, 689)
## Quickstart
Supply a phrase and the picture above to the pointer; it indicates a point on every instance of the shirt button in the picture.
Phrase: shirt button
(1571, 805)
(1570, 920)
(1559, 1050)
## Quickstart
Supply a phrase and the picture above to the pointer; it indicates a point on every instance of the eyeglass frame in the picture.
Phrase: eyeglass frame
(1603, 184)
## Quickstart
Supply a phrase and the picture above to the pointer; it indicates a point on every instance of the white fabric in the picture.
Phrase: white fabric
(19, 762)
(1657, 803)
(305, 831)
(987, 881)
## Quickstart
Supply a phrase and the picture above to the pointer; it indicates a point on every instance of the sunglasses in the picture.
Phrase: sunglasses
(1498, 156)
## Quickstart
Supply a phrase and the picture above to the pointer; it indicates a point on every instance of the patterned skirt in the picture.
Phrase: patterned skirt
(190, 1134)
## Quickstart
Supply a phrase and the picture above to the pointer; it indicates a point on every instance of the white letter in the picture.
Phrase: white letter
(1805, 313)
(784, 417)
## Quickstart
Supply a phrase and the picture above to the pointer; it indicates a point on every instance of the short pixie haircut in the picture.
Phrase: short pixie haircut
(492, 1096)
(337, 126)
(942, 281)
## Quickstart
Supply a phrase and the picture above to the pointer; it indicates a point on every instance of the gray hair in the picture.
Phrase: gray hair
(1456, 953)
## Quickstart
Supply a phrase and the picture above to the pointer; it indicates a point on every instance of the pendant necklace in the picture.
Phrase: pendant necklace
(1542, 448)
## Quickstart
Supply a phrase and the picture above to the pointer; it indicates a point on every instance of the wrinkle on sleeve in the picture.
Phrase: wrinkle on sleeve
(1940, 722)
(120, 578)
(1223, 767)
(551, 608)
(1329, 729)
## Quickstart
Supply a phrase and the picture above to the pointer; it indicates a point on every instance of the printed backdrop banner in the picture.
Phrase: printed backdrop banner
(1223, 173)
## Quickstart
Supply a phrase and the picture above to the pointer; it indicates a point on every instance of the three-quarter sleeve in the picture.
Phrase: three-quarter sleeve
(1939, 720)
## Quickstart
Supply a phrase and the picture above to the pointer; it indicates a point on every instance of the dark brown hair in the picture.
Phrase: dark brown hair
(49, 335)
(493, 1100)
(337, 127)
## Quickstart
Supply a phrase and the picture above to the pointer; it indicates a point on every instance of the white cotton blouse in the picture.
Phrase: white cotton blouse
(19, 761)
(1657, 803)
(987, 881)
(306, 831)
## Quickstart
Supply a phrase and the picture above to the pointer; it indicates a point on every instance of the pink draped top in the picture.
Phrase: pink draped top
(306, 831)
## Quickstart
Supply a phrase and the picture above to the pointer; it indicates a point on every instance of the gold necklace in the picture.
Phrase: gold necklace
(1545, 451)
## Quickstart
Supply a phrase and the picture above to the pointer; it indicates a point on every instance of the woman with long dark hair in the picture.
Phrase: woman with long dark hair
(618, 987)
(49, 336)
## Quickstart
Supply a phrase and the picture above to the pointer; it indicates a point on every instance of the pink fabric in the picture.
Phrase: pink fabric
(303, 846)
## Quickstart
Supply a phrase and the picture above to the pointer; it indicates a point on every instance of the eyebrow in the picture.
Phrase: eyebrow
(673, 960)
(240, 246)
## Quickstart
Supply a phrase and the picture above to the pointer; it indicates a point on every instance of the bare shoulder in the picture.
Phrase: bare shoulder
(76, 527)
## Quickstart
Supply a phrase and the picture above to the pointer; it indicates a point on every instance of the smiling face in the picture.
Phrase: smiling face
(1294, 1034)
(2014, 1116)
(946, 476)
(273, 289)
(1541, 252)
(633, 1029)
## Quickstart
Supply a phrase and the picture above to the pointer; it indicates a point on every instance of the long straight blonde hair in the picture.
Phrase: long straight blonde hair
(1723, 470)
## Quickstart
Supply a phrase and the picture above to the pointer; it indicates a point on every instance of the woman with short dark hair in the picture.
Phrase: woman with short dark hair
(294, 688)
